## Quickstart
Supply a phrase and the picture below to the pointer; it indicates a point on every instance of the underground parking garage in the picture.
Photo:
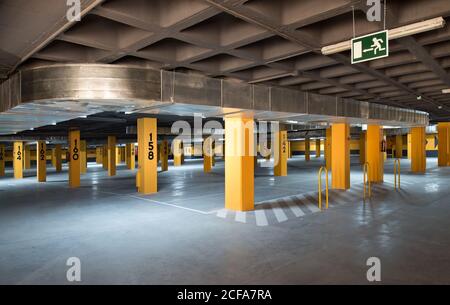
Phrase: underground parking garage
(207, 142)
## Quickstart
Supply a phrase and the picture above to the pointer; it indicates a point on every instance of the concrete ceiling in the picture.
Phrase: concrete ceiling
(266, 41)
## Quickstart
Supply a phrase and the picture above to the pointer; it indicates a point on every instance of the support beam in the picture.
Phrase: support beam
(239, 164)
(18, 160)
(83, 157)
(399, 146)
(207, 154)
(148, 160)
(443, 144)
(328, 144)
(307, 149)
(281, 153)
(118, 156)
(2, 160)
(418, 152)
(58, 158)
(105, 157)
(130, 156)
(74, 158)
(41, 159)
(374, 154)
(362, 148)
(98, 155)
(26, 157)
(409, 145)
(340, 156)
(111, 156)
(318, 150)
(177, 152)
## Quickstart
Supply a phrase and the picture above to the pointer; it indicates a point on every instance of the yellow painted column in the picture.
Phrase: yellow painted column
(111, 156)
(164, 155)
(26, 157)
(2, 160)
(207, 155)
(362, 148)
(374, 154)
(385, 148)
(177, 153)
(409, 145)
(418, 152)
(328, 143)
(443, 144)
(148, 159)
(340, 156)
(280, 168)
(318, 151)
(130, 156)
(18, 160)
(398, 146)
(83, 157)
(53, 157)
(74, 158)
(98, 155)
(41, 159)
(307, 149)
(118, 158)
(239, 164)
(58, 158)
(289, 150)
(105, 157)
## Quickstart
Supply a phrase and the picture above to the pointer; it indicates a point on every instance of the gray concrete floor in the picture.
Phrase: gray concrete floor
(175, 236)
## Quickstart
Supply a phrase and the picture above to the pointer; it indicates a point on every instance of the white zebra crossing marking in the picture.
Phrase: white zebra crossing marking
(240, 216)
(261, 219)
(278, 211)
(308, 203)
(294, 207)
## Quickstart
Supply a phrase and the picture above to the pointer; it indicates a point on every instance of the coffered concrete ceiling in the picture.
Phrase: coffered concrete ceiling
(264, 41)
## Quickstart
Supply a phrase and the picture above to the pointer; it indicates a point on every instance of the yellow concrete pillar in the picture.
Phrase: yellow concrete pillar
(105, 157)
(374, 154)
(18, 160)
(318, 150)
(111, 156)
(385, 148)
(53, 158)
(340, 156)
(41, 159)
(328, 142)
(2, 160)
(98, 155)
(177, 152)
(130, 156)
(409, 145)
(443, 144)
(418, 152)
(164, 155)
(289, 150)
(26, 157)
(398, 146)
(74, 158)
(239, 164)
(207, 155)
(83, 157)
(362, 148)
(147, 155)
(118, 158)
(280, 168)
(307, 149)
(58, 158)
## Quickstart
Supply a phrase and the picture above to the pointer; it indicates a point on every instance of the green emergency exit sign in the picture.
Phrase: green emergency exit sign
(370, 47)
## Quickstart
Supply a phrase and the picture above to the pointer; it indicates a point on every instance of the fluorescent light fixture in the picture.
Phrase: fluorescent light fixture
(291, 122)
(446, 91)
(407, 30)
(83, 116)
(128, 112)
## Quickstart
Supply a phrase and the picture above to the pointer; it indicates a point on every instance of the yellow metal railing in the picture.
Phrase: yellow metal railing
(396, 173)
(323, 168)
(366, 180)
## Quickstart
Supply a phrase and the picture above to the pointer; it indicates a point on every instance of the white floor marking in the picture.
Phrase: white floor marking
(222, 213)
(261, 219)
(278, 211)
(309, 204)
(295, 208)
(240, 216)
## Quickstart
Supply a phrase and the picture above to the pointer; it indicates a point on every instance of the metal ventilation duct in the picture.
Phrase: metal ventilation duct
(49, 94)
